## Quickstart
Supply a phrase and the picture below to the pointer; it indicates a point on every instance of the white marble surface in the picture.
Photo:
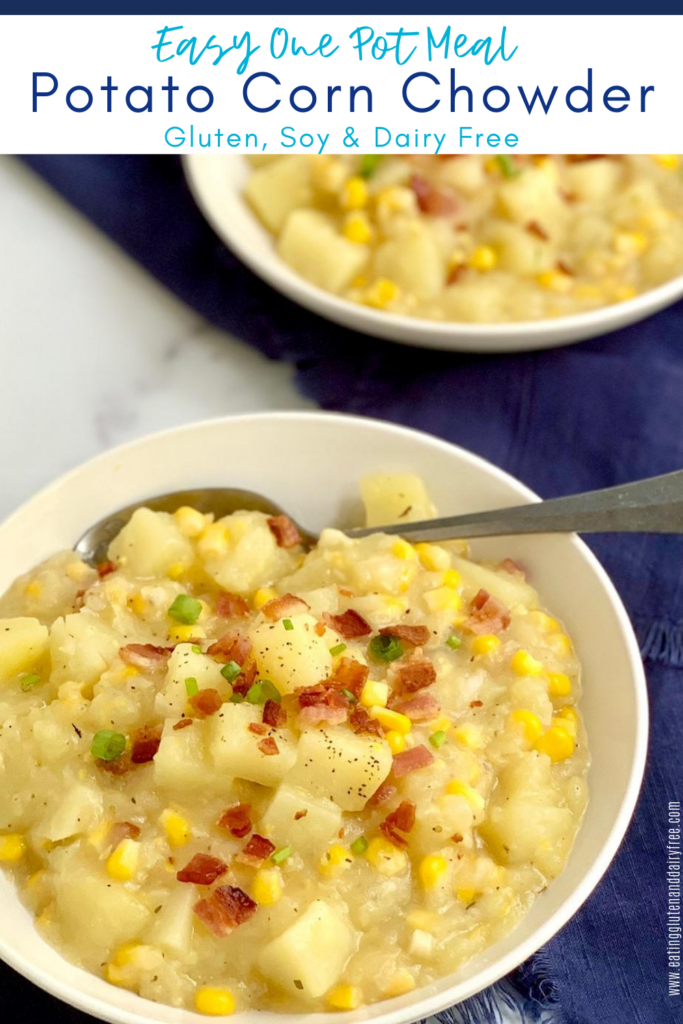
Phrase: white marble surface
(94, 351)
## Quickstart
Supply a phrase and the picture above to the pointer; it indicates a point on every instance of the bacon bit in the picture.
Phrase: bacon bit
(418, 709)
(399, 822)
(576, 159)
(207, 702)
(349, 624)
(416, 674)
(183, 723)
(225, 909)
(435, 201)
(106, 568)
(534, 228)
(411, 760)
(456, 837)
(455, 273)
(237, 820)
(415, 635)
(299, 815)
(488, 614)
(257, 850)
(258, 727)
(280, 607)
(319, 713)
(476, 703)
(320, 629)
(203, 869)
(384, 792)
(145, 656)
(145, 744)
(247, 677)
(122, 830)
(310, 696)
(564, 268)
(274, 714)
(344, 592)
(268, 746)
(284, 531)
(231, 646)
(231, 606)
(514, 568)
(361, 721)
(350, 675)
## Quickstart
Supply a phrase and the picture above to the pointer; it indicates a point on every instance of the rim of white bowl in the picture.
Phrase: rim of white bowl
(456, 336)
(403, 1009)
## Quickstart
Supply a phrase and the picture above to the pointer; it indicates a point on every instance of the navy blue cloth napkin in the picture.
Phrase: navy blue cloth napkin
(600, 413)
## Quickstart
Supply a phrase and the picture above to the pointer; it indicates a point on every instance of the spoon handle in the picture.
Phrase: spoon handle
(646, 506)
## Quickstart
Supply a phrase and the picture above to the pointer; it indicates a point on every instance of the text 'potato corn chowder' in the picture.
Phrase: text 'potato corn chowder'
(472, 238)
(234, 774)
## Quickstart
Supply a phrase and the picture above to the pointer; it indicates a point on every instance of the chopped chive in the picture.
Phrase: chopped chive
(351, 696)
(107, 745)
(359, 846)
(192, 686)
(185, 609)
(236, 698)
(337, 650)
(506, 165)
(454, 642)
(196, 649)
(281, 855)
(231, 671)
(385, 648)
(263, 690)
(29, 681)
(437, 739)
(369, 164)
(288, 624)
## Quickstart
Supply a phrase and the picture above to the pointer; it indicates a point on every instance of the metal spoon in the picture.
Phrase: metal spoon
(646, 506)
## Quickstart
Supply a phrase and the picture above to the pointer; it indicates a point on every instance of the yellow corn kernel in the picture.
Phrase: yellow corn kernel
(12, 848)
(214, 542)
(483, 258)
(555, 281)
(357, 229)
(182, 633)
(396, 741)
(391, 720)
(559, 684)
(442, 724)
(624, 292)
(125, 954)
(345, 997)
(36, 878)
(432, 869)
(557, 743)
(177, 570)
(492, 166)
(395, 199)
(130, 671)
(569, 713)
(486, 644)
(544, 621)
(214, 1002)
(443, 599)
(354, 195)
(561, 644)
(267, 888)
(393, 605)
(670, 162)
(402, 549)
(178, 829)
(568, 724)
(33, 589)
(335, 861)
(473, 797)
(531, 725)
(452, 578)
(190, 521)
(262, 596)
(432, 557)
(630, 243)
(360, 281)
(469, 735)
(385, 857)
(381, 293)
(374, 694)
(400, 983)
(422, 920)
(406, 576)
(122, 958)
(138, 604)
(524, 664)
(123, 862)
(655, 218)
(466, 895)
(98, 836)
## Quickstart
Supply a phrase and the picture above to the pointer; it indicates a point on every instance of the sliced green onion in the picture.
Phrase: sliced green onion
(437, 739)
(359, 846)
(337, 650)
(192, 686)
(236, 698)
(369, 164)
(281, 855)
(263, 690)
(506, 165)
(454, 642)
(351, 696)
(385, 648)
(231, 671)
(29, 681)
(196, 649)
(185, 609)
(288, 624)
(107, 745)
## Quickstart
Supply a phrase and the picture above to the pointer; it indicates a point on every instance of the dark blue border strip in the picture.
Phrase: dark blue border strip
(498, 8)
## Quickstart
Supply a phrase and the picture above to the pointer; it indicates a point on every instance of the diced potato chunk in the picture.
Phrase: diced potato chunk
(296, 818)
(150, 543)
(241, 553)
(235, 749)
(344, 766)
(395, 498)
(310, 955)
(172, 926)
(533, 196)
(511, 590)
(594, 180)
(23, 642)
(95, 913)
(310, 245)
(181, 762)
(81, 648)
(185, 663)
(79, 810)
(278, 188)
(291, 657)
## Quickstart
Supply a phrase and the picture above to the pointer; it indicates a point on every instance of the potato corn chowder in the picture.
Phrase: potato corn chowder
(472, 238)
(237, 775)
